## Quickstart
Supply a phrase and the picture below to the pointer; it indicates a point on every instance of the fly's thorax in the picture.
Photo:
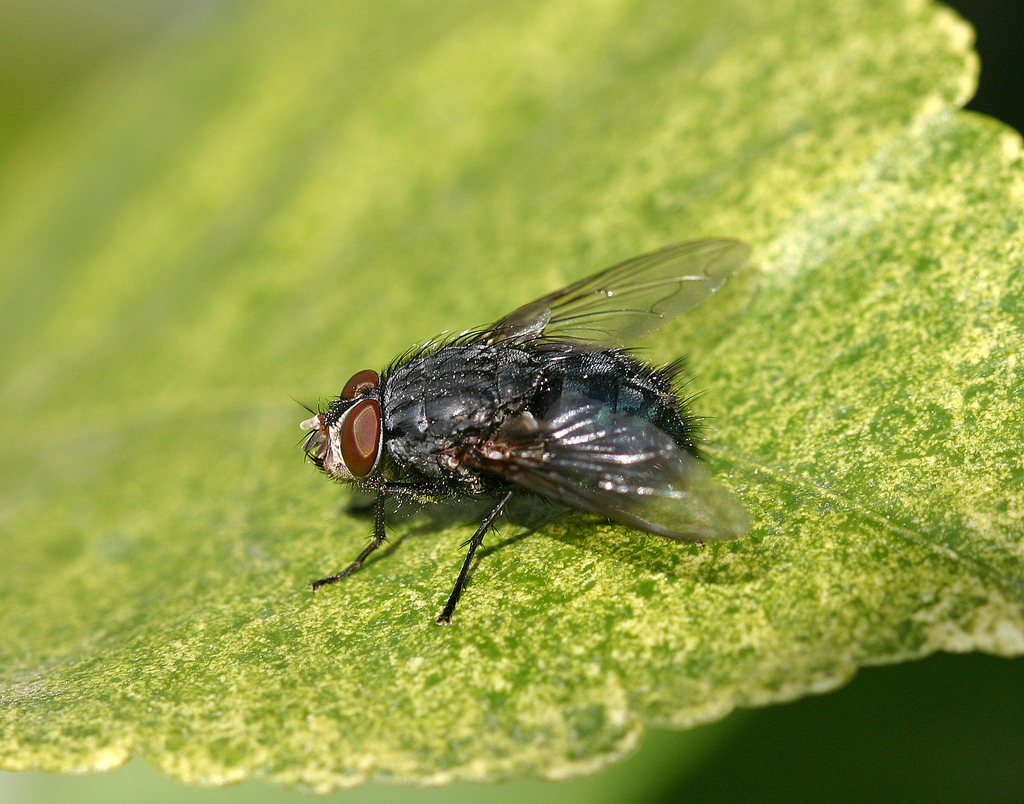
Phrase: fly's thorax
(459, 394)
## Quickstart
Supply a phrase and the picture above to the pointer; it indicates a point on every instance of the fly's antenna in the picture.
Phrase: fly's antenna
(320, 409)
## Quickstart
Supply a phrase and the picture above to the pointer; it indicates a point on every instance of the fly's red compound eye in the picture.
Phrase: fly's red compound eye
(360, 435)
(361, 381)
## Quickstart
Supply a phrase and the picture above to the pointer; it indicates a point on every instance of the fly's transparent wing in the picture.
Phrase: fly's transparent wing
(627, 301)
(594, 459)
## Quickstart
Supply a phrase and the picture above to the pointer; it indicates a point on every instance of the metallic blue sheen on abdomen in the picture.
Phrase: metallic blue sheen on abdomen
(462, 393)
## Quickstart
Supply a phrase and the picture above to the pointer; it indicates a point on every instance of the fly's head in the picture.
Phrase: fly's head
(346, 441)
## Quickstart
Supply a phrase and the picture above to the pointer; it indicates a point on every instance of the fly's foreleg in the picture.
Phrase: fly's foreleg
(379, 537)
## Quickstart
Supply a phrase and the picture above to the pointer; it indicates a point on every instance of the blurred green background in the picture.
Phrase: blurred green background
(949, 728)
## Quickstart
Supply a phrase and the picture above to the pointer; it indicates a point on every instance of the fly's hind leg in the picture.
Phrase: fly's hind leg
(475, 542)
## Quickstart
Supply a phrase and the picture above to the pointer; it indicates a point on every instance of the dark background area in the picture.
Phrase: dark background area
(1000, 27)
(946, 729)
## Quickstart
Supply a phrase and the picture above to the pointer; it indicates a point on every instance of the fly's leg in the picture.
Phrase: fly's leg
(475, 542)
(379, 537)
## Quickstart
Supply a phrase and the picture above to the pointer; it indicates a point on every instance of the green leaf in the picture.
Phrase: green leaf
(291, 192)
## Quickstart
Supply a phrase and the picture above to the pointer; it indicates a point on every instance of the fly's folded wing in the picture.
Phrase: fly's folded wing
(622, 467)
(627, 301)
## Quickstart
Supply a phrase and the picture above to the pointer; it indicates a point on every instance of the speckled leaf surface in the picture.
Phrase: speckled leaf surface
(292, 192)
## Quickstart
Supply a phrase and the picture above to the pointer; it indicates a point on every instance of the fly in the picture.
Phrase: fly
(546, 401)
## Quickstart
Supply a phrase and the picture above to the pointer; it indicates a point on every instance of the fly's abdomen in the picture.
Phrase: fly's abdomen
(618, 380)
